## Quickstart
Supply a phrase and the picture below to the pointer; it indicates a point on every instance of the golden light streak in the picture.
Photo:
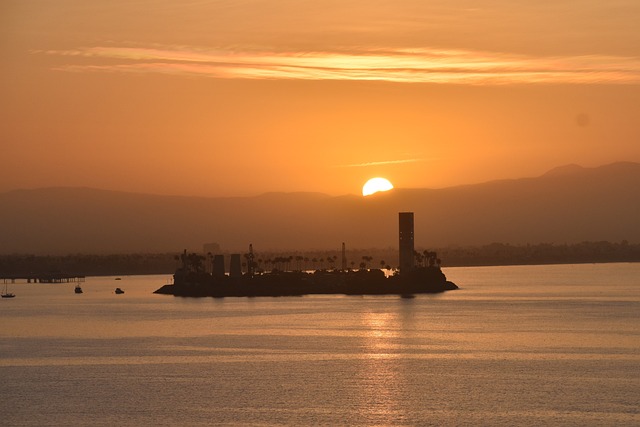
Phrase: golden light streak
(381, 163)
(393, 65)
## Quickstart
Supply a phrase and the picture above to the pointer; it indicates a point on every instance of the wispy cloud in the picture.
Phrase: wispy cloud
(395, 65)
(382, 163)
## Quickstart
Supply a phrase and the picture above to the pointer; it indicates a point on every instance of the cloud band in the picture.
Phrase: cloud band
(393, 65)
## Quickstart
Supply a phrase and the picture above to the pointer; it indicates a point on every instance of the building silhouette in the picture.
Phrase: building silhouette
(235, 268)
(212, 248)
(218, 266)
(405, 223)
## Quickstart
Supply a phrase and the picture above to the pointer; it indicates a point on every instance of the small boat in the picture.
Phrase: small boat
(118, 278)
(78, 289)
(6, 293)
(119, 291)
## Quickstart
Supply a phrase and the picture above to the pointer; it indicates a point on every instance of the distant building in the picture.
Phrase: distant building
(212, 248)
(218, 266)
(235, 268)
(405, 223)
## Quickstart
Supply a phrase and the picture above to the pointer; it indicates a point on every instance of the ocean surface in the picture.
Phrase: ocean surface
(524, 345)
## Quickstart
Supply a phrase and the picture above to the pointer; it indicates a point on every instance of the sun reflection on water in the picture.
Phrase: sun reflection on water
(379, 381)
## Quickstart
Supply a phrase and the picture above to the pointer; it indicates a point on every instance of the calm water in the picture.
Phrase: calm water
(542, 345)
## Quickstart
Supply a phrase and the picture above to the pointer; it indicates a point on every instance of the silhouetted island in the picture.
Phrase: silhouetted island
(191, 280)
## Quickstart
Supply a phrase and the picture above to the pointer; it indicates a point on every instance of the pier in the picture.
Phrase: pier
(42, 278)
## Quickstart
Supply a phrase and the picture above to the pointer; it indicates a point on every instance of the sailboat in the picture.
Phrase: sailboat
(6, 293)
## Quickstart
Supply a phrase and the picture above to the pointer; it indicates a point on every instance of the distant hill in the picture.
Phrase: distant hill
(566, 205)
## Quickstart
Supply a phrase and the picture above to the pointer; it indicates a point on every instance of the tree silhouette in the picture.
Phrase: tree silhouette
(194, 263)
(367, 259)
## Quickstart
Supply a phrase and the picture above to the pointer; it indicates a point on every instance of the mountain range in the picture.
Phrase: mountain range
(568, 204)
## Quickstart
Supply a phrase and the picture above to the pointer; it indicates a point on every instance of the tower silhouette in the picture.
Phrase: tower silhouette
(405, 223)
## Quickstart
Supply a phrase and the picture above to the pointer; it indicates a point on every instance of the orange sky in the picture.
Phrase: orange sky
(241, 97)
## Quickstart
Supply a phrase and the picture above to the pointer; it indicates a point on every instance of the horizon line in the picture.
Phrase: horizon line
(84, 187)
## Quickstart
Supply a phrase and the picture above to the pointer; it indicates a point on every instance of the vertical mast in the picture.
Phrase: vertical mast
(344, 258)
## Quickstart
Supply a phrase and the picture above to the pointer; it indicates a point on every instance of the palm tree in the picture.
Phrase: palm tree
(194, 262)
(431, 258)
(367, 259)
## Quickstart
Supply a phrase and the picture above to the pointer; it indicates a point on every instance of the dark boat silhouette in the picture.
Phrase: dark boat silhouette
(6, 293)
(78, 289)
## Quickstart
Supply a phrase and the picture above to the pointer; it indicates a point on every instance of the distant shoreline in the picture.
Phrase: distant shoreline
(493, 255)
(170, 273)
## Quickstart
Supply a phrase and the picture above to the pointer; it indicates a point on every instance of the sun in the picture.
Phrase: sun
(376, 184)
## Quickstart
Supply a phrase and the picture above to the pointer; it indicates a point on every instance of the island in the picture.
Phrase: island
(191, 280)
(297, 283)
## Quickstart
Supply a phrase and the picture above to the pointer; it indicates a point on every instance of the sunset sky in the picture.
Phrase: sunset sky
(242, 97)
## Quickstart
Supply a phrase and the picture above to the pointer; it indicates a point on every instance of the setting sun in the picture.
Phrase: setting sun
(376, 184)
